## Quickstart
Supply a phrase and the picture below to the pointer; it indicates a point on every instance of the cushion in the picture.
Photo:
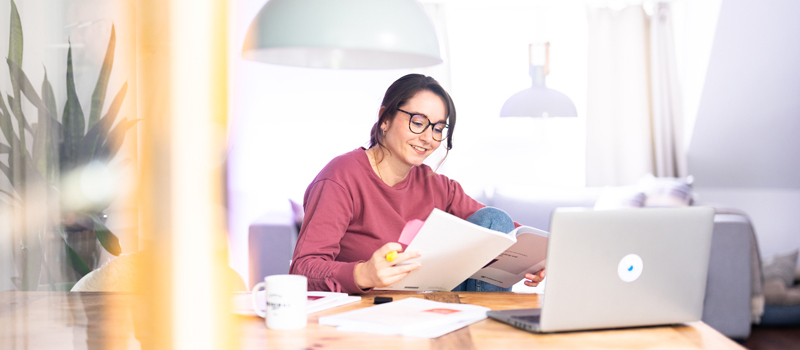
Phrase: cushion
(298, 214)
(781, 267)
(776, 293)
(797, 275)
(619, 197)
(666, 191)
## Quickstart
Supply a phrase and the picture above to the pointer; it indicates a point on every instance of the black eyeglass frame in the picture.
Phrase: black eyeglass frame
(411, 116)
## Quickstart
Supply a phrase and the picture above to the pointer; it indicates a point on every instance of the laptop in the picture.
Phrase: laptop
(621, 268)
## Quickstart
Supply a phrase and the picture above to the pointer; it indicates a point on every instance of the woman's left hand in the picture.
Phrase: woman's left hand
(534, 278)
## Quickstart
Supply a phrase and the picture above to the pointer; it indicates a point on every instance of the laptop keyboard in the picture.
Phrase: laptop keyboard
(529, 318)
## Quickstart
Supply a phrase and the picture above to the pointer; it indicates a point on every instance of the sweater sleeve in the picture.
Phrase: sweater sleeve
(329, 210)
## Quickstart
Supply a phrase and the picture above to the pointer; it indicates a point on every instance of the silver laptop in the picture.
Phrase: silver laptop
(621, 268)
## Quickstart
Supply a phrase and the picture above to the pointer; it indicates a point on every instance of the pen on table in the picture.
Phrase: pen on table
(390, 256)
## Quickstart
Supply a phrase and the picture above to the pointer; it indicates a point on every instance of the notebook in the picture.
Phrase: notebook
(621, 268)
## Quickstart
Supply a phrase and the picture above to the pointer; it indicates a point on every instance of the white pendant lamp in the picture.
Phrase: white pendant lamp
(538, 100)
(349, 34)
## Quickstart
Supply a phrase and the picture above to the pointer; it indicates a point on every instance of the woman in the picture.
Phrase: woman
(359, 203)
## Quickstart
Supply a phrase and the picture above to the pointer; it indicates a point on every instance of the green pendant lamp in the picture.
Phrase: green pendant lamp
(345, 34)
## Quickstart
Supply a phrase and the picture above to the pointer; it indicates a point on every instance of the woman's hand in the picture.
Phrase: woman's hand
(379, 272)
(534, 278)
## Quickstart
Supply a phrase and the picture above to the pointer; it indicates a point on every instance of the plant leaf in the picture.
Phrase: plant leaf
(39, 143)
(16, 110)
(8, 193)
(48, 96)
(113, 110)
(25, 86)
(109, 241)
(15, 36)
(5, 123)
(99, 95)
(73, 258)
(21, 122)
(75, 261)
(97, 135)
(39, 152)
(11, 137)
(115, 138)
(13, 172)
(45, 140)
(7, 170)
(19, 161)
(50, 102)
(11, 195)
(4, 148)
(72, 119)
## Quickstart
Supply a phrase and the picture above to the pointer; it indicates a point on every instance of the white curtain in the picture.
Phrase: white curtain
(618, 129)
(634, 123)
(668, 145)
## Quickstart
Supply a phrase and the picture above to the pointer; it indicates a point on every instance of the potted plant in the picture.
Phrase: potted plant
(40, 154)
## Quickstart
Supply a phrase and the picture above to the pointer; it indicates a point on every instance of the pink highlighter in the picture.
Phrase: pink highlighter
(406, 236)
(410, 231)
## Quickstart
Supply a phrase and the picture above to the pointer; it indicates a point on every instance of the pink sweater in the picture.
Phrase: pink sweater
(350, 213)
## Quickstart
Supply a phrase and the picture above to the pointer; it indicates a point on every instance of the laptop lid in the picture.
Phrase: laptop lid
(626, 268)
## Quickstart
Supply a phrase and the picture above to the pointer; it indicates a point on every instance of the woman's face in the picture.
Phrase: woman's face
(406, 146)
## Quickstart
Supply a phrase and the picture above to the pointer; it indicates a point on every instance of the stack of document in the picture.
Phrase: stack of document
(317, 301)
(412, 317)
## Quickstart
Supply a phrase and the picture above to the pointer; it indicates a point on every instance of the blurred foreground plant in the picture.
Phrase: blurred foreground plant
(41, 157)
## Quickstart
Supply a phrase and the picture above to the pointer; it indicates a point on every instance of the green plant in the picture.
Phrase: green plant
(57, 147)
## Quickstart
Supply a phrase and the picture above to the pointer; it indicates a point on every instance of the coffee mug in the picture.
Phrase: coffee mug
(285, 303)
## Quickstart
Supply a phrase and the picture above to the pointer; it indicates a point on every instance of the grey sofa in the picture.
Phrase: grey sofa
(727, 306)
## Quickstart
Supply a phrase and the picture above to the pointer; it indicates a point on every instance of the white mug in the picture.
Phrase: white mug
(285, 303)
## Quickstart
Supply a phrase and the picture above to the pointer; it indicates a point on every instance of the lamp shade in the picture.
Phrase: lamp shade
(349, 34)
(538, 100)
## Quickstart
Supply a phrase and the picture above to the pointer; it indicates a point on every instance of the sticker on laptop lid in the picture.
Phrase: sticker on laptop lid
(630, 267)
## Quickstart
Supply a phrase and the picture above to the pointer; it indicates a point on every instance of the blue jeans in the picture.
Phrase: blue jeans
(493, 219)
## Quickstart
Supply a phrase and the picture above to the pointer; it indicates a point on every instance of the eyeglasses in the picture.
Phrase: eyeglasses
(418, 123)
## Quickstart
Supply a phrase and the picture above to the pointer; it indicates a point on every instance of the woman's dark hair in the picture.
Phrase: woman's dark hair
(399, 93)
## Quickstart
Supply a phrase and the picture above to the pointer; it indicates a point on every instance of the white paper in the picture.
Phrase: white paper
(527, 255)
(452, 250)
(312, 308)
(411, 317)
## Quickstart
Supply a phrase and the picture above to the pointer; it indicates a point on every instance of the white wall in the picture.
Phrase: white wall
(745, 151)
(695, 23)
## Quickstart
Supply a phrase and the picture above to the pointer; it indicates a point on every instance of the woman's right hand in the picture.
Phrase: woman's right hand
(379, 272)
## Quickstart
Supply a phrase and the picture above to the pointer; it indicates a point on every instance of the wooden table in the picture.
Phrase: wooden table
(64, 320)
